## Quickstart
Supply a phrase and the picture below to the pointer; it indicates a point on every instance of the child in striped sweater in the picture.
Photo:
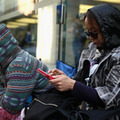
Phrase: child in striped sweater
(19, 78)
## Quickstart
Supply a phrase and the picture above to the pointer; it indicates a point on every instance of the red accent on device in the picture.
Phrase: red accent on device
(44, 74)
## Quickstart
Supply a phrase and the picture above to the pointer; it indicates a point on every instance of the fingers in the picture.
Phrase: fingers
(58, 72)
(53, 81)
(49, 71)
(62, 82)
(55, 72)
(56, 81)
(59, 88)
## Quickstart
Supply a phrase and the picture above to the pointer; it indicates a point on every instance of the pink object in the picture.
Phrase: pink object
(4, 115)
(44, 74)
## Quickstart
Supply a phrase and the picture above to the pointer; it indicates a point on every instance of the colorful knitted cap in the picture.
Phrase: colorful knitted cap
(8, 46)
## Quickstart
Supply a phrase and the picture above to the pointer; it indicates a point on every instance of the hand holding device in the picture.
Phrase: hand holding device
(44, 74)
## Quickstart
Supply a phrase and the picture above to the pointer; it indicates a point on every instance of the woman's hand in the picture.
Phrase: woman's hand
(55, 72)
(62, 82)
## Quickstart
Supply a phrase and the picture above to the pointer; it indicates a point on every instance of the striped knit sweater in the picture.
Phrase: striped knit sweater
(21, 77)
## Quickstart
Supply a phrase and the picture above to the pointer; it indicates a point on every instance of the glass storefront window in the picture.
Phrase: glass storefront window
(24, 30)
(73, 36)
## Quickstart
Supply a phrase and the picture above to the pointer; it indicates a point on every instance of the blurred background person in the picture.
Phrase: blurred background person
(79, 38)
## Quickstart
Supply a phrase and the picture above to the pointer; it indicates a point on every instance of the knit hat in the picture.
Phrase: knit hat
(8, 46)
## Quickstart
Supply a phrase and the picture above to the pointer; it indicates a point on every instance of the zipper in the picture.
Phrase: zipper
(51, 104)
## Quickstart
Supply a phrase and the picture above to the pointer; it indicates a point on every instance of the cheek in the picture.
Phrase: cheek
(101, 39)
(102, 42)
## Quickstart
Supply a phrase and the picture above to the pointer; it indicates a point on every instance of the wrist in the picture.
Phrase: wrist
(72, 84)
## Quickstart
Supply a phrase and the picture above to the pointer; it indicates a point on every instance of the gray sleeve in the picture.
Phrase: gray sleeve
(111, 90)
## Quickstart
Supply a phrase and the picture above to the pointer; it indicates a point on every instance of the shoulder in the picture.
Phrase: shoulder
(89, 52)
(22, 65)
(115, 53)
(17, 70)
(25, 66)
